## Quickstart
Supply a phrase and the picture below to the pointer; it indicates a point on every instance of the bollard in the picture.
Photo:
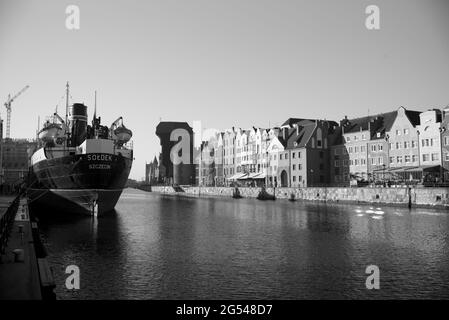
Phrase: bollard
(19, 255)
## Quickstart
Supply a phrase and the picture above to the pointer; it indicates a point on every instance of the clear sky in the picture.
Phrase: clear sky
(224, 62)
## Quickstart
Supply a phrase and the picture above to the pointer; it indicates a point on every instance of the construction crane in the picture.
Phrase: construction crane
(8, 108)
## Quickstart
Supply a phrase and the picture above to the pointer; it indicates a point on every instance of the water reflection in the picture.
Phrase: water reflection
(166, 247)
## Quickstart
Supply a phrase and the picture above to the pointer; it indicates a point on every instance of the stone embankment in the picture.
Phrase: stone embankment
(416, 196)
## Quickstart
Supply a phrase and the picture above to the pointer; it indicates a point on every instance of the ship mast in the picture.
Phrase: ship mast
(67, 102)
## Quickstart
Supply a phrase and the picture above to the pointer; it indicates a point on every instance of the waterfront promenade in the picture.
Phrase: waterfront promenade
(19, 270)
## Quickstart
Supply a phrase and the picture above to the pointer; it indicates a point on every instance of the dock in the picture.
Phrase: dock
(24, 272)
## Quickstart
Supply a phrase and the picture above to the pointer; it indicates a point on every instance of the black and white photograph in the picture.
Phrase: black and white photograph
(240, 152)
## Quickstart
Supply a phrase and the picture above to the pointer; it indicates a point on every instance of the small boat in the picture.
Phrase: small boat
(236, 193)
(264, 195)
(292, 197)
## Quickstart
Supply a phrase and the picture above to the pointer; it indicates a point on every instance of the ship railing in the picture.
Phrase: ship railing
(6, 223)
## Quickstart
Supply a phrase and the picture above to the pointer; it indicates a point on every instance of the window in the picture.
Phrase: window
(345, 163)
(294, 178)
(348, 139)
(380, 147)
(362, 149)
(398, 145)
(350, 150)
(299, 154)
(446, 140)
(351, 162)
(337, 151)
(381, 161)
(398, 132)
(336, 163)
(293, 155)
(318, 143)
(413, 144)
(399, 159)
(425, 142)
(414, 158)
(407, 159)
(294, 167)
(425, 157)
(391, 146)
(363, 161)
(280, 156)
(373, 148)
(321, 154)
(446, 156)
(356, 149)
(355, 138)
(391, 159)
(299, 178)
(299, 166)
(435, 157)
(356, 162)
(373, 161)
(286, 156)
(405, 131)
(363, 137)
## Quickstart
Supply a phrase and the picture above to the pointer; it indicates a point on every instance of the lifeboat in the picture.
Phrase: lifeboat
(123, 134)
(49, 132)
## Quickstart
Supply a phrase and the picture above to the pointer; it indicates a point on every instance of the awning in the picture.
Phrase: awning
(409, 169)
(237, 176)
(261, 175)
(244, 176)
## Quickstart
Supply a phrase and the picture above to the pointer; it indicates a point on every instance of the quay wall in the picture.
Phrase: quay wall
(419, 196)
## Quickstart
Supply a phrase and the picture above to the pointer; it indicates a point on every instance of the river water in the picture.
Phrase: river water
(167, 247)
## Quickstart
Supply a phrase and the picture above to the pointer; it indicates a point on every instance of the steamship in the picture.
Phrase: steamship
(79, 168)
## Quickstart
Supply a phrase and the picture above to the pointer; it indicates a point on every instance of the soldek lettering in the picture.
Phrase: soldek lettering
(99, 157)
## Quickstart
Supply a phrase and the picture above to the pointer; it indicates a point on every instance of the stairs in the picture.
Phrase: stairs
(178, 188)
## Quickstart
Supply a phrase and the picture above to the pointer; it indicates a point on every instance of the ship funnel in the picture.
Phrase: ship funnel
(78, 123)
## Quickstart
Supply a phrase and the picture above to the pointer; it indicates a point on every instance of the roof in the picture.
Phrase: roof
(413, 116)
(297, 136)
(292, 121)
(354, 125)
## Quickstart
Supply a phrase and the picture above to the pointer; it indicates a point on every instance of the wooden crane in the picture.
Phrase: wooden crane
(8, 108)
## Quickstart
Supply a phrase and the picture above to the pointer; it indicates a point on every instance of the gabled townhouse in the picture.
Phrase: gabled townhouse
(378, 147)
(429, 133)
(305, 159)
(229, 153)
(218, 159)
(445, 144)
(403, 141)
(339, 159)
(274, 149)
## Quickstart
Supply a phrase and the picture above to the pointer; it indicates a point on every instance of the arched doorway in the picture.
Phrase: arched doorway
(284, 179)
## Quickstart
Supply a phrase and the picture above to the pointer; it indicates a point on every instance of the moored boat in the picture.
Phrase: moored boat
(79, 168)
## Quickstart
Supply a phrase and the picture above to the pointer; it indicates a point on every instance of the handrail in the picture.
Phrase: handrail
(6, 222)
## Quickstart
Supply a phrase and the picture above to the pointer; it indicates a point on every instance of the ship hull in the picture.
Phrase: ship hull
(71, 201)
(82, 184)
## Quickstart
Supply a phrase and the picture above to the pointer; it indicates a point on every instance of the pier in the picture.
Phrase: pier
(24, 272)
